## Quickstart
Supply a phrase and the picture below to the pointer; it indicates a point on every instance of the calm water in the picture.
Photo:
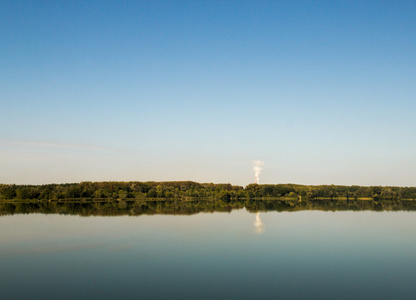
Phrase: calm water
(223, 255)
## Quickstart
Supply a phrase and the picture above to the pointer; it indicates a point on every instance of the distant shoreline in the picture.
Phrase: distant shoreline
(183, 190)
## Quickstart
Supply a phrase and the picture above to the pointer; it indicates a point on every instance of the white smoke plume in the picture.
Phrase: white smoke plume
(258, 224)
(258, 166)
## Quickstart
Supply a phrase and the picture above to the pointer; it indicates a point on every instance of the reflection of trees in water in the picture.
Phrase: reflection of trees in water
(178, 207)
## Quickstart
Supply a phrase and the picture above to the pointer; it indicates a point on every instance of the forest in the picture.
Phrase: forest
(193, 190)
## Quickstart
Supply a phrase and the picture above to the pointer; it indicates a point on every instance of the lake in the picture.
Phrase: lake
(206, 250)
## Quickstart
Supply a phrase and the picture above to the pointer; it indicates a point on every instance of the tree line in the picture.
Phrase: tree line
(190, 189)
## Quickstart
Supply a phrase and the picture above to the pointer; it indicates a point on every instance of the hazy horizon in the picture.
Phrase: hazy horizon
(204, 182)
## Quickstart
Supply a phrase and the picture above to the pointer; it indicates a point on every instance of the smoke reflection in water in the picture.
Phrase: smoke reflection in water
(258, 224)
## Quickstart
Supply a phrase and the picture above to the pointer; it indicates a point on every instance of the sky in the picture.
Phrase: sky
(323, 92)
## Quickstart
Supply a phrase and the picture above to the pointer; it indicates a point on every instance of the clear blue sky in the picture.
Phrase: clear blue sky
(324, 92)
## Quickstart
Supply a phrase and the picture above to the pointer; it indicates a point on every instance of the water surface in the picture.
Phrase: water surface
(235, 254)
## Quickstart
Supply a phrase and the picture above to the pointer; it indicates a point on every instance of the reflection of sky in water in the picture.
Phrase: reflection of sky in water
(309, 254)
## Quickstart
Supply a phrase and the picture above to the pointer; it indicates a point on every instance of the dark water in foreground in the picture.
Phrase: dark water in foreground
(237, 254)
